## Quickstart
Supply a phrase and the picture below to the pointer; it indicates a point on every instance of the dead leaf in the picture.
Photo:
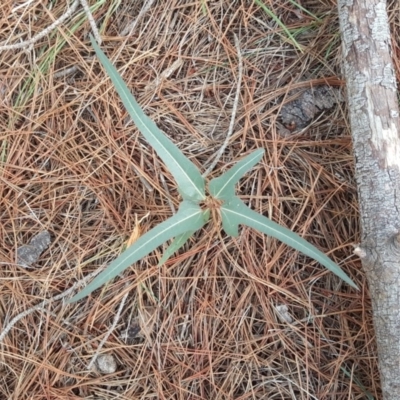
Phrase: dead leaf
(136, 233)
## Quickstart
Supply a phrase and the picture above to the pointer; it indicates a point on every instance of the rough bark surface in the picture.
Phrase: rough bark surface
(297, 114)
(375, 125)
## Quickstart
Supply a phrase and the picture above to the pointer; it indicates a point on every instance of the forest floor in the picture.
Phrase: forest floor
(246, 318)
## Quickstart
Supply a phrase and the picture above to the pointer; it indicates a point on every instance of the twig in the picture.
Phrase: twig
(42, 304)
(91, 21)
(66, 71)
(26, 4)
(130, 27)
(43, 33)
(234, 110)
(114, 324)
(66, 15)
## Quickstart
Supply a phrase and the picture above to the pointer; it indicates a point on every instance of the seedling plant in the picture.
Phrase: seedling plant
(201, 200)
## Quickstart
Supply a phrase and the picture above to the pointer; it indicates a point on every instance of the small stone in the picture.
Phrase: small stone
(360, 252)
(106, 364)
(283, 313)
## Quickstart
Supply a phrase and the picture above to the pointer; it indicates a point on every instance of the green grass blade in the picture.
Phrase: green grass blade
(235, 212)
(187, 176)
(280, 23)
(204, 7)
(358, 383)
(190, 217)
(223, 187)
(45, 56)
(176, 244)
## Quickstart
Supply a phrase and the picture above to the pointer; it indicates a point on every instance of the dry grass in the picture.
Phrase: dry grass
(211, 319)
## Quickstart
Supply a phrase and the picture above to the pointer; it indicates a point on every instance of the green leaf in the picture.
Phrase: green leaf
(176, 244)
(189, 180)
(235, 212)
(223, 187)
(180, 240)
(280, 23)
(357, 381)
(190, 217)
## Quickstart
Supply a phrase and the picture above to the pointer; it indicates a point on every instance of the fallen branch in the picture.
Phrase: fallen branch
(375, 126)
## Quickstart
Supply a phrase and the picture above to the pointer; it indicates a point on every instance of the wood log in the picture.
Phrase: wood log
(375, 125)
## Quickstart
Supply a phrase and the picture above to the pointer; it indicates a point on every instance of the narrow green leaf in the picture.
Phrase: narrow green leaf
(280, 23)
(180, 240)
(176, 244)
(230, 226)
(357, 381)
(187, 176)
(223, 187)
(188, 218)
(235, 212)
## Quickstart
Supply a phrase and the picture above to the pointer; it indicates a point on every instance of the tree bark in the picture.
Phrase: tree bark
(375, 126)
